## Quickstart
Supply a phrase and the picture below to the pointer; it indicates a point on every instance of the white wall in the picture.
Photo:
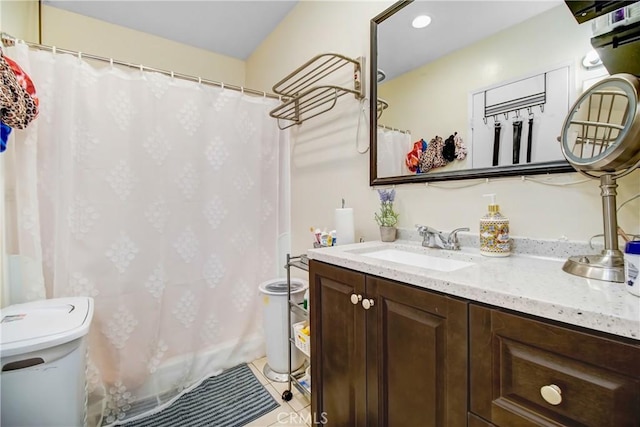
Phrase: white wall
(19, 18)
(80, 33)
(326, 166)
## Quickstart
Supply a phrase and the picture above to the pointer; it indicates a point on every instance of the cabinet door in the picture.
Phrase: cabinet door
(337, 346)
(515, 360)
(475, 421)
(416, 357)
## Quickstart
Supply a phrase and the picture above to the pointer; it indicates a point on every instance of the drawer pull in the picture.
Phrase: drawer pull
(367, 303)
(551, 394)
(355, 299)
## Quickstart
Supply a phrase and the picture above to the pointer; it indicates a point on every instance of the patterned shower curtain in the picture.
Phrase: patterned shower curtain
(393, 147)
(163, 200)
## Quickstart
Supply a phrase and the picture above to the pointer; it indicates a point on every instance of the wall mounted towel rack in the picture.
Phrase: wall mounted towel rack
(309, 91)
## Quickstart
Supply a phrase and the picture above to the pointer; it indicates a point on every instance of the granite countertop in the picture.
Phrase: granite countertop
(523, 282)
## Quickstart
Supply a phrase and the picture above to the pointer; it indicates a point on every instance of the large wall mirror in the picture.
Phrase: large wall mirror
(481, 91)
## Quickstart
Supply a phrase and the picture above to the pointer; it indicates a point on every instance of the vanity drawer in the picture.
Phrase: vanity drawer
(587, 380)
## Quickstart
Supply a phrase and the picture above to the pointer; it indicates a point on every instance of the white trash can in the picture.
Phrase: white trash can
(43, 356)
(276, 330)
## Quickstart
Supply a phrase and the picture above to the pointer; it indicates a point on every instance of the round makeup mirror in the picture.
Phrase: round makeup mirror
(601, 139)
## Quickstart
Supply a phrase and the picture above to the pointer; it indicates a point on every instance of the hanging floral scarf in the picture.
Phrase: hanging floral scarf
(18, 100)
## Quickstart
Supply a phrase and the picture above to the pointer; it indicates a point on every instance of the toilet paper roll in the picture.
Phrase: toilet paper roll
(345, 232)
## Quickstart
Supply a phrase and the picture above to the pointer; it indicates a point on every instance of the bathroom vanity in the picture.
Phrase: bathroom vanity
(472, 342)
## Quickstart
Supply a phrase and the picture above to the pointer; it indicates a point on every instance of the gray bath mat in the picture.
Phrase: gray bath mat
(232, 399)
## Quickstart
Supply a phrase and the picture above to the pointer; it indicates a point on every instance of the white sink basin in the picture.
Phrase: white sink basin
(418, 260)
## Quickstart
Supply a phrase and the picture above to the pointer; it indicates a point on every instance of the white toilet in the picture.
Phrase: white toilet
(43, 357)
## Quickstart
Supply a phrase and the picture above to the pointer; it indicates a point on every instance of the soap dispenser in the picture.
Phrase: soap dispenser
(494, 231)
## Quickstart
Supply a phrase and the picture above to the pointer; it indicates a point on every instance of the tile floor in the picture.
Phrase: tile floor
(294, 413)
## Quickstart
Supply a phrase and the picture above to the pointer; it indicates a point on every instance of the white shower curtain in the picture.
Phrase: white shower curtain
(393, 146)
(163, 200)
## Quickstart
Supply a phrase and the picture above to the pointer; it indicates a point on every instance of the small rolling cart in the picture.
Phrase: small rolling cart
(298, 334)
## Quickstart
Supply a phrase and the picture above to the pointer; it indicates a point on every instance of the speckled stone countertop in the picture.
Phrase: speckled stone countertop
(523, 282)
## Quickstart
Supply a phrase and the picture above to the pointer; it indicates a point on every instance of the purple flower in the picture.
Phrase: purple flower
(387, 195)
(387, 216)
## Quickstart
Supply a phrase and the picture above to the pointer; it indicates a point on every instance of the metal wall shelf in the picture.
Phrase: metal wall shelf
(307, 92)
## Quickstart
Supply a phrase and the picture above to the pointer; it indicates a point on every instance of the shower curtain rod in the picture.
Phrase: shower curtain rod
(8, 40)
(394, 129)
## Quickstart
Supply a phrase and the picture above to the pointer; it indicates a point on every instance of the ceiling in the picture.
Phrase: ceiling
(455, 24)
(233, 28)
(237, 28)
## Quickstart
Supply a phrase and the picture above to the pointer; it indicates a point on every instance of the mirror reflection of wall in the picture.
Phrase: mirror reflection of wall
(436, 98)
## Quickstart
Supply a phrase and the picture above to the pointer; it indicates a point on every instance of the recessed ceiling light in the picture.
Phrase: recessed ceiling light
(421, 21)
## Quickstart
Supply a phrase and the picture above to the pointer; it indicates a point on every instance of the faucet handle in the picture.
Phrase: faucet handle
(454, 232)
(425, 229)
(453, 237)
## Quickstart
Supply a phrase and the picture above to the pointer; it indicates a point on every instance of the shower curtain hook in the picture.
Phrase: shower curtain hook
(199, 80)
(542, 108)
(484, 119)
(172, 75)
(53, 50)
(80, 55)
(222, 85)
(111, 62)
(506, 115)
(242, 89)
(141, 68)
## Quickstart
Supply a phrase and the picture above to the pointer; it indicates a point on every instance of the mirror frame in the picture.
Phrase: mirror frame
(557, 166)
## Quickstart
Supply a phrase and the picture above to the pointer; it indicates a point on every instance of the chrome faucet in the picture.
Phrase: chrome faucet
(432, 238)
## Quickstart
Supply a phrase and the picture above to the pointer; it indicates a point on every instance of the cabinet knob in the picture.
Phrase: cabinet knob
(355, 299)
(551, 394)
(367, 303)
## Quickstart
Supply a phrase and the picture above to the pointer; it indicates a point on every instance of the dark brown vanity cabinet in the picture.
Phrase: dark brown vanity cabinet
(385, 353)
(525, 372)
